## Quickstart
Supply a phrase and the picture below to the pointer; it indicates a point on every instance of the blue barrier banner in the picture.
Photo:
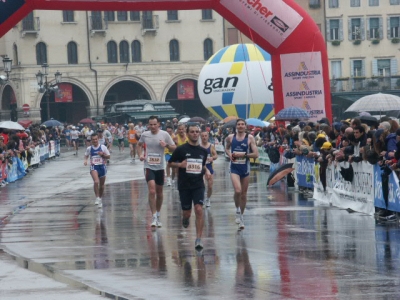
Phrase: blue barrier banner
(305, 171)
(16, 170)
(394, 193)
(379, 201)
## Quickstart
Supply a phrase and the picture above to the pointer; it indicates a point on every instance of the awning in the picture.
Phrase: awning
(146, 115)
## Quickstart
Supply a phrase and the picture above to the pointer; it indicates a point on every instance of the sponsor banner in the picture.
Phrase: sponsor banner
(319, 192)
(64, 93)
(357, 195)
(16, 170)
(305, 171)
(52, 149)
(379, 201)
(273, 20)
(303, 83)
(8, 7)
(185, 89)
(35, 156)
(263, 158)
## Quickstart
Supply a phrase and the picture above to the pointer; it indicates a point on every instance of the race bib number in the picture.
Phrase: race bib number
(194, 166)
(154, 159)
(132, 136)
(239, 160)
(97, 160)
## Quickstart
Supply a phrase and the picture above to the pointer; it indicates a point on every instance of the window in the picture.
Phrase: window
(233, 36)
(394, 23)
(172, 15)
(28, 23)
(206, 14)
(357, 69)
(173, 50)
(72, 50)
(334, 26)
(355, 3)
(394, 2)
(136, 51)
(109, 16)
(112, 52)
(135, 15)
(374, 28)
(333, 3)
(336, 70)
(41, 53)
(208, 49)
(373, 2)
(124, 52)
(356, 29)
(122, 16)
(147, 19)
(97, 22)
(68, 16)
(314, 3)
(383, 67)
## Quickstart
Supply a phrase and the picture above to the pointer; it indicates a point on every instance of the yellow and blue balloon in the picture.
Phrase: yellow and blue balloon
(237, 81)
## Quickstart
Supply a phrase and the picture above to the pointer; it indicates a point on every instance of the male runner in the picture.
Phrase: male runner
(168, 153)
(120, 132)
(180, 137)
(156, 140)
(75, 139)
(191, 159)
(240, 146)
(211, 156)
(98, 156)
(132, 138)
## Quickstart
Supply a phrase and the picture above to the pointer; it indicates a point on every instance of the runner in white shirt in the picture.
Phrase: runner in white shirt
(88, 135)
(121, 131)
(75, 139)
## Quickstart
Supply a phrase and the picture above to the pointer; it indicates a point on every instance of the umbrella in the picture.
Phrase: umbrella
(364, 113)
(231, 123)
(292, 113)
(369, 120)
(25, 123)
(184, 120)
(197, 120)
(87, 121)
(376, 102)
(279, 173)
(255, 122)
(11, 125)
(227, 119)
(51, 123)
(266, 124)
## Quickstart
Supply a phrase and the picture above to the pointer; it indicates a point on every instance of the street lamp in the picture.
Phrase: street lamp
(7, 69)
(45, 87)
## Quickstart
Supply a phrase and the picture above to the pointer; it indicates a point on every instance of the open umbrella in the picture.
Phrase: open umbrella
(279, 173)
(376, 102)
(87, 121)
(292, 113)
(230, 118)
(11, 125)
(255, 122)
(231, 123)
(197, 120)
(266, 124)
(369, 120)
(52, 123)
(184, 120)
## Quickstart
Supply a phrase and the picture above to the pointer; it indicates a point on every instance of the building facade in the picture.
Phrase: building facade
(106, 58)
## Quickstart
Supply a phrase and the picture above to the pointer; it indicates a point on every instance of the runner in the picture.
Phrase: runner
(75, 139)
(98, 155)
(191, 159)
(180, 137)
(108, 136)
(132, 138)
(88, 134)
(120, 132)
(67, 133)
(239, 147)
(156, 140)
(168, 153)
(211, 156)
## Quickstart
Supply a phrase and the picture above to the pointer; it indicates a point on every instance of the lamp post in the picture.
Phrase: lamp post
(7, 69)
(45, 87)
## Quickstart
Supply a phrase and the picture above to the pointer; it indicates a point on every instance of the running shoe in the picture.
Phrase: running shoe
(169, 183)
(237, 217)
(241, 224)
(98, 201)
(198, 244)
(100, 204)
(208, 202)
(154, 223)
(159, 224)
(185, 222)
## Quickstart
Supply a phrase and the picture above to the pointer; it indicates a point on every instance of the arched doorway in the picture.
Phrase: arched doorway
(124, 91)
(9, 104)
(65, 109)
(183, 96)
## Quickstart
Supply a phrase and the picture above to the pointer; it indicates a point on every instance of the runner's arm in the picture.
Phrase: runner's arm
(228, 143)
(253, 147)
(214, 153)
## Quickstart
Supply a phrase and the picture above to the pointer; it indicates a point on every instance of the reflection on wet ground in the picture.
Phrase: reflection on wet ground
(292, 248)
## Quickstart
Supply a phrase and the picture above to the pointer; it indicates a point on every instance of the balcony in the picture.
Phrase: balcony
(98, 25)
(361, 84)
(30, 26)
(150, 24)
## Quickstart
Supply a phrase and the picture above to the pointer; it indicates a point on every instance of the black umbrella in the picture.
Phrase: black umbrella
(369, 120)
(229, 124)
(197, 120)
(279, 173)
(52, 123)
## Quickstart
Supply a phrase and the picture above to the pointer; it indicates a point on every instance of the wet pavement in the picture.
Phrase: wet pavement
(291, 248)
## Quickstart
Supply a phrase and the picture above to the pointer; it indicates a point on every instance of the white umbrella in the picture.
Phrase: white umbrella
(11, 125)
(184, 120)
(376, 102)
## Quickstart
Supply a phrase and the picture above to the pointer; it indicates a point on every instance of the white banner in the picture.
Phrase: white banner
(52, 150)
(35, 156)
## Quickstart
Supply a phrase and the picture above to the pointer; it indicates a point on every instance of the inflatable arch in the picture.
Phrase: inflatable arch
(281, 27)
